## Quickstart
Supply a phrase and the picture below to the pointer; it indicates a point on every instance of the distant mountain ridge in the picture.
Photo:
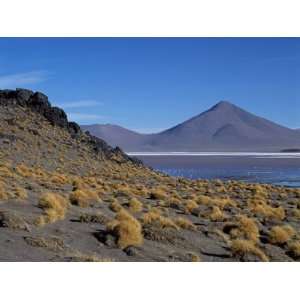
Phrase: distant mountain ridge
(224, 127)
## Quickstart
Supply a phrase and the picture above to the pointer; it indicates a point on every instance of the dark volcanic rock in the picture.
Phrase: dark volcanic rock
(39, 103)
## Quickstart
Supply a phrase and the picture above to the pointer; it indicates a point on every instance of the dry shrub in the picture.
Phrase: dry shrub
(127, 229)
(294, 249)
(193, 257)
(21, 193)
(216, 214)
(24, 171)
(154, 217)
(225, 202)
(78, 184)
(3, 193)
(243, 247)
(55, 207)
(173, 203)
(296, 213)
(244, 228)
(84, 198)
(204, 200)
(259, 206)
(190, 206)
(115, 206)
(185, 223)
(280, 235)
(158, 194)
(135, 205)
(59, 179)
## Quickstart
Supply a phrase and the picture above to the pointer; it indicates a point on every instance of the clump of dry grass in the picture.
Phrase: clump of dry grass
(59, 179)
(296, 213)
(3, 192)
(259, 206)
(173, 203)
(115, 206)
(158, 194)
(294, 249)
(185, 223)
(84, 197)
(194, 257)
(216, 214)
(135, 205)
(23, 170)
(280, 235)
(190, 206)
(127, 229)
(243, 247)
(21, 193)
(55, 207)
(154, 217)
(243, 228)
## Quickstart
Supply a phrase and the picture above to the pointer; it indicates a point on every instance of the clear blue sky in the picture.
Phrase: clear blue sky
(152, 84)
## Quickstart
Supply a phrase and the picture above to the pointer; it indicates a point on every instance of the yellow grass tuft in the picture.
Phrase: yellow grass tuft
(154, 217)
(248, 228)
(55, 207)
(217, 215)
(280, 235)
(127, 229)
(259, 206)
(3, 193)
(243, 247)
(185, 223)
(84, 198)
(115, 206)
(135, 205)
(190, 206)
(158, 194)
(294, 248)
(21, 193)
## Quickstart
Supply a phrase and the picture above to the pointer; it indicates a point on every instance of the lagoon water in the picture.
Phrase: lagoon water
(273, 168)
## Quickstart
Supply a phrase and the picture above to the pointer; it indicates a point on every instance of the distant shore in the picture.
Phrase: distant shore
(251, 154)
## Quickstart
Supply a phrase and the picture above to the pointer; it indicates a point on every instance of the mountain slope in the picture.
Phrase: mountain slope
(115, 135)
(224, 127)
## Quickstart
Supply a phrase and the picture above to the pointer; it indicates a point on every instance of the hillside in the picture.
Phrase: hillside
(68, 196)
(224, 127)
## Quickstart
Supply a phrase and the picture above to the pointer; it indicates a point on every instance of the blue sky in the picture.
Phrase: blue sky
(154, 83)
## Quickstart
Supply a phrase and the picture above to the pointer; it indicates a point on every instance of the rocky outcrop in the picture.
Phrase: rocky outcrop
(39, 103)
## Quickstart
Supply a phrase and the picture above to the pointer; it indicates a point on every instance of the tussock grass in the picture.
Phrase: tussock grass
(3, 192)
(243, 247)
(158, 194)
(84, 198)
(135, 205)
(154, 217)
(259, 206)
(115, 206)
(245, 228)
(217, 215)
(190, 206)
(127, 229)
(55, 207)
(294, 249)
(21, 193)
(185, 224)
(280, 235)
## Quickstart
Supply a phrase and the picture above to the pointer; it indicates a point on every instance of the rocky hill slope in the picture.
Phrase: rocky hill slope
(224, 127)
(67, 196)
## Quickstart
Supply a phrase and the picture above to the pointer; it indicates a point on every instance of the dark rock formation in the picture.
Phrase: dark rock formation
(39, 103)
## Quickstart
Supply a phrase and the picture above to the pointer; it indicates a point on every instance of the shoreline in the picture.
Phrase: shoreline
(229, 154)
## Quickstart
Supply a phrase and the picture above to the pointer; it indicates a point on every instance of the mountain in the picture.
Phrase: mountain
(224, 127)
(115, 135)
